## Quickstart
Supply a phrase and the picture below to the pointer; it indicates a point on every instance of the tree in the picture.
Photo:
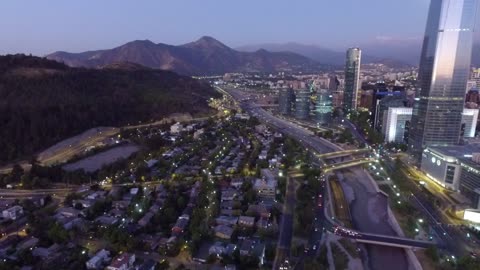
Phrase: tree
(432, 252)
(16, 173)
(57, 234)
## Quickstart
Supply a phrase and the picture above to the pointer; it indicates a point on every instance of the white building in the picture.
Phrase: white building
(123, 261)
(198, 133)
(13, 212)
(176, 128)
(397, 119)
(98, 260)
(267, 185)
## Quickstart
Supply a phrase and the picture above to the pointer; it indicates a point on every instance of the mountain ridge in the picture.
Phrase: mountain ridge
(204, 56)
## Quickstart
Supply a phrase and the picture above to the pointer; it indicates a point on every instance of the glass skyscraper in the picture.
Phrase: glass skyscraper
(443, 74)
(302, 104)
(323, 107)
(352, 79)
(285, 101)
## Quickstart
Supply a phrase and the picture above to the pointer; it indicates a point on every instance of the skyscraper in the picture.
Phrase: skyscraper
(323, 107)
(352, 79)
(443, 74)
(302, 104)
(285, 101)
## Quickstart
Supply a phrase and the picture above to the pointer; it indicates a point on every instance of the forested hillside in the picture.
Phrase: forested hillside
(43, 102)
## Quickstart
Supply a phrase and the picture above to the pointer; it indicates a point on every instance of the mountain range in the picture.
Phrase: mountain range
(391, 52)
(202, 57)
(394, 55)
(208, 56)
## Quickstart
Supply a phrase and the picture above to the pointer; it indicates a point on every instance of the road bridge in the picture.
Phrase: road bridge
(347, 164)
(344, 153)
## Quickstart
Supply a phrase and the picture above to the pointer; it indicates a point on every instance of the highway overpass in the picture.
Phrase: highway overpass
(344, 153)
(347, 164)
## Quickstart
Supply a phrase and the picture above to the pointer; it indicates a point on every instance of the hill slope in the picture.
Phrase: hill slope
(203, 57)
(43, 102)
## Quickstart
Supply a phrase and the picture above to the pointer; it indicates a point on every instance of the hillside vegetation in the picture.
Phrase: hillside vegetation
(43, 102)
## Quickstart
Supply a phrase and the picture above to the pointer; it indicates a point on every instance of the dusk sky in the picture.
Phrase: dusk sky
(42, 27)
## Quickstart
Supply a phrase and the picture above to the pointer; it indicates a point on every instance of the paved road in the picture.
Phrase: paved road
(354, 131)
(286, 225)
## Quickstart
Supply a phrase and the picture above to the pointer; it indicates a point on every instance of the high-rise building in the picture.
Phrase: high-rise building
(302, 104)
(443, 74)
(352, 80)
(323, 107)
(384, 101)
(285, 101)
(333, 83)
(396, 122)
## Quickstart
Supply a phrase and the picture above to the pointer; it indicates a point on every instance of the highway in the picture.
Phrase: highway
(286, 224)
(354, 131)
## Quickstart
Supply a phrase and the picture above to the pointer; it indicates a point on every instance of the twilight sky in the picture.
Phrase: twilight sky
(42, 27)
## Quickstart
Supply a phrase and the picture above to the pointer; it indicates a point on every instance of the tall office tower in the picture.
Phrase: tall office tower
(352, 80)
(285, 101)
(302, 104)
(323, 107)
(443, 74)
(333, 83)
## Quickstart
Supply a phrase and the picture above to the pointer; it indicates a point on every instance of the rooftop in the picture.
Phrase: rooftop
(457, 151)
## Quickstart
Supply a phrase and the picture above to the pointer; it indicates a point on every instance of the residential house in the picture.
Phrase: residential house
(237, 182)
(228, 195)
(147, 265)
(223, 232)
(106, 220)
(253, 248)
(267, 186)
(145, 219)
(123, 261)
(181, 224)
(217, 249)
(226, 220)
(246, 221)
(13, 212)
(97, 261)
(259, 210)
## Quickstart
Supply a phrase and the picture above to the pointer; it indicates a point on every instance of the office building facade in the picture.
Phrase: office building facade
(352, 80)
(456, 168)
(397, 123)
(302, 104)
(443, 74)
(285, 101)
(323, 107)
